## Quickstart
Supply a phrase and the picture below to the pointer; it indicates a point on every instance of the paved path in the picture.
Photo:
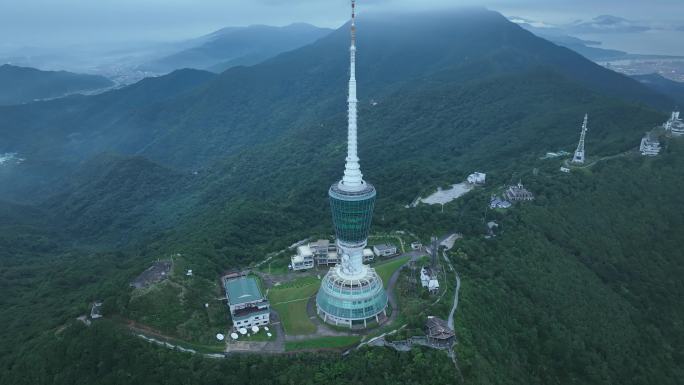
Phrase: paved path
(450, 320)
(448, 242)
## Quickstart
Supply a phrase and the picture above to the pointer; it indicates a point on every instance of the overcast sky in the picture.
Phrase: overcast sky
(48, 22)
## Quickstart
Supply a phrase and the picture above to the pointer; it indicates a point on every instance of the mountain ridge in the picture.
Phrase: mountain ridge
(24, 84)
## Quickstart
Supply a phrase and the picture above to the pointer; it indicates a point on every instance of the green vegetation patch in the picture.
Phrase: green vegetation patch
(290, 300)
(385, 270)
(323, 343)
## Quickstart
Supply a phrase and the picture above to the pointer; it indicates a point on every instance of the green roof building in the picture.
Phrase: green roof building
(248, 306)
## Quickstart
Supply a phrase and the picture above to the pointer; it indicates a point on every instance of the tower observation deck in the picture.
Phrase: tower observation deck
(351, 293)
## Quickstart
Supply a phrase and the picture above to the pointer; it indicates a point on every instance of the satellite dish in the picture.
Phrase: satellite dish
(243, 331)
(255, 329)
(234, 336)
(220, 337)
(269, 334)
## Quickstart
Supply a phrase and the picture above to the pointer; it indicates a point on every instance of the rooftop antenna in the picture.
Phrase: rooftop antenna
(579, 153)
(353, 179)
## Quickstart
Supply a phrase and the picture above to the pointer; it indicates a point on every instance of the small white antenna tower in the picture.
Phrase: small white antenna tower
(579, 153)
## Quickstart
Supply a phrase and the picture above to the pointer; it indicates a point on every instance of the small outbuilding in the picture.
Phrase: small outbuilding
(477, 178)
(385, 250)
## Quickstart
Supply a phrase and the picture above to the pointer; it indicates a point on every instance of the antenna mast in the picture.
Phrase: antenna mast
(579, 153)
(353, 179)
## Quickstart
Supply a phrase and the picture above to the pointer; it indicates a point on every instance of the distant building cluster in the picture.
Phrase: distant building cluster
(325, 253)
(650, 146)
(248, 306)
(518, 193)
(675, 125)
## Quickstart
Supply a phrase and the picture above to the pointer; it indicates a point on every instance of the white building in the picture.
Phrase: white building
(428, 279)
(247, 305)
(325, 252)
(565, 169)
(477, 178)
(303, 260)
(675, 125)
(649, 146)
(384, 250)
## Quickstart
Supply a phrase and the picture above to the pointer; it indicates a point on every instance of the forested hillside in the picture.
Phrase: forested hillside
(583, 286)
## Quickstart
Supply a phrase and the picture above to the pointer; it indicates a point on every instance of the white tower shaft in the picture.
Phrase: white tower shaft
(579, 153)
(353, 179)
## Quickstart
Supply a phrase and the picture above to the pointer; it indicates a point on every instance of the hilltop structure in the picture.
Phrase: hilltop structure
(650, 146)
(518, 193)
(675, 125)
(351, 292)
(578, 158)
(477, 178)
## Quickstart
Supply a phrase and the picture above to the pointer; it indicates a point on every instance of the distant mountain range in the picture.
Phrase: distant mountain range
(234, 46)
(21, 85)
(605, 24)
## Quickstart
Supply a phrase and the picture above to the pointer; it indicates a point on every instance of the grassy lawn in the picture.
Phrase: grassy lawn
(323, 343)
(386, 269)
(290, 300)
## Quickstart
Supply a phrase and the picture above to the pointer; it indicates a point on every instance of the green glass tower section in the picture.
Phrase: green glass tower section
(352, 213)
(344, 301)
(352, 293)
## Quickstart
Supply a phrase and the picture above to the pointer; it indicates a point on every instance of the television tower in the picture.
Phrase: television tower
(579, 153)
(351, 293)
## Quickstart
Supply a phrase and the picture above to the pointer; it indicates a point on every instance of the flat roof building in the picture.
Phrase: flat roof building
(325, 252)
(477, 178)
(248, 306)
(384, 250)
(303, 260)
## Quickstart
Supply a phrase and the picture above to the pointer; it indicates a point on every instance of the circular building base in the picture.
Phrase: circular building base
(344, 301)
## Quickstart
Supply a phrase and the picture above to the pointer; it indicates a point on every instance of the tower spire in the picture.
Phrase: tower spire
(353, 179)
